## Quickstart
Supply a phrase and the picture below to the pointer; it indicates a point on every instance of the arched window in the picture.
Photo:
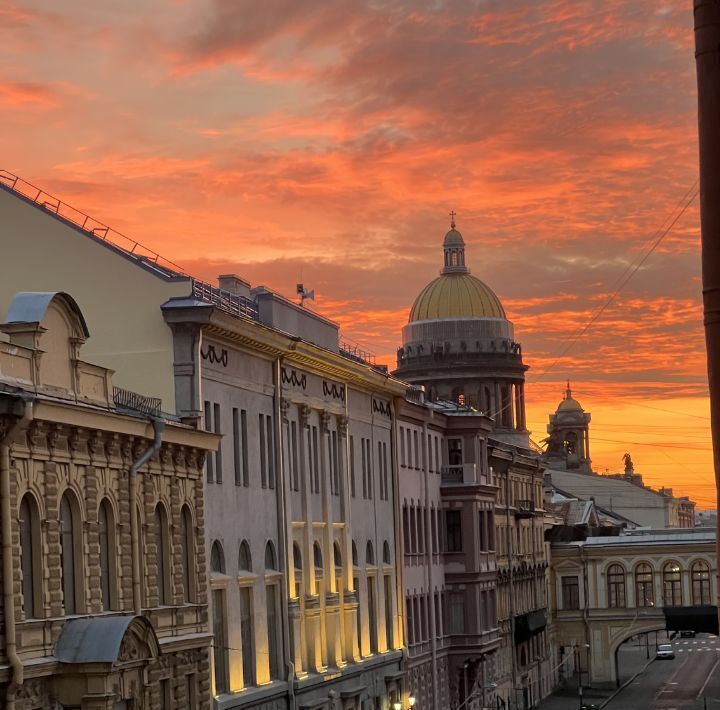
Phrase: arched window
(106, 536)
(244, 557)
(70, 553)
(672, 584)
(337, 555)
(386, 553)
(142, 556)
(187, 541)
(700, 574)
(644, 594)
(162, 541)
(318, 560)
(270, 558)
(354, 554)
(217, 558)
(369, 554)
(616, 587)
(29, 521)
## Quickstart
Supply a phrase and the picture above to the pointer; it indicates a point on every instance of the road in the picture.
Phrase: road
(683, 683)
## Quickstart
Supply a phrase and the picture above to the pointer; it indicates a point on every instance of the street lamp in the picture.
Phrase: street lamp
(397, 705)
(411, 701)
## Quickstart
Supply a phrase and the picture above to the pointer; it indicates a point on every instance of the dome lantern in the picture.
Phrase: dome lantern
(454, 248)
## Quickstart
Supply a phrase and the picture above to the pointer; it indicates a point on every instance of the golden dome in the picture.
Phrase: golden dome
(456, 295)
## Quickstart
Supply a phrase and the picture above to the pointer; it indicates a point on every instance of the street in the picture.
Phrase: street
(685, 682)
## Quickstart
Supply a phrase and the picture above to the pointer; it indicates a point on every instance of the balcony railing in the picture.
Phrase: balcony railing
(524, 509)
(224, 300)
(460, 473)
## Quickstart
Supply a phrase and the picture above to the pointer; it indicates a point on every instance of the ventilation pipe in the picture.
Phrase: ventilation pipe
(7, 551)
(707, 60)
(158, 426)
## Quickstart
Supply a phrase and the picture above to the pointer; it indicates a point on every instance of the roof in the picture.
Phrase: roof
(456, 295)
(31, 307)
(453, 239)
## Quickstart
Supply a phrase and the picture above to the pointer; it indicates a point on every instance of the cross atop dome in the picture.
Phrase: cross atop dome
(453, 214)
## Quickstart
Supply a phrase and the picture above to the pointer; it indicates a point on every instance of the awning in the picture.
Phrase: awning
(692, 618)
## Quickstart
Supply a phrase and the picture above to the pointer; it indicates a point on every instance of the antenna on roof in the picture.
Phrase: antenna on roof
(304, 294)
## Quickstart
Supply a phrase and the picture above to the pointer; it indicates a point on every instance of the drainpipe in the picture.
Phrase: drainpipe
(707, 54)
(282, 516)
(7, 552)
(158, 426)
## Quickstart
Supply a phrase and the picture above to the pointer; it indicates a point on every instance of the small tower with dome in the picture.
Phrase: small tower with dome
(568, 441)
(460, 345)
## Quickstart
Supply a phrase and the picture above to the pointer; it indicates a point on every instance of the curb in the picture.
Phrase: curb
(625, 684)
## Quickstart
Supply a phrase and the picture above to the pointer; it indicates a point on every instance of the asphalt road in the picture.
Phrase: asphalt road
(684, 682)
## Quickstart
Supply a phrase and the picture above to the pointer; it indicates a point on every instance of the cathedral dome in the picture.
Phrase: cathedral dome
(453, 239)
(456, 295)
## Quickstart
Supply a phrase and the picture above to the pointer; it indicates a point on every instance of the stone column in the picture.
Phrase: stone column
(518, 406)
(297, 636)
(497, 414)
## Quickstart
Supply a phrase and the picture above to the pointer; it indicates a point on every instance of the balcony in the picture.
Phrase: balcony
(459, 474)
(524, 509)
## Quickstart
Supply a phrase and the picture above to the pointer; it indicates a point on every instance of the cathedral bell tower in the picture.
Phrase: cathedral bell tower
(568, 441)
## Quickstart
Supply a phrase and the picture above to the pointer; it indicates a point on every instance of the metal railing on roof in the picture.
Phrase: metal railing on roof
(224, 300)
(353, 351)
(138, 403)
(90, 225)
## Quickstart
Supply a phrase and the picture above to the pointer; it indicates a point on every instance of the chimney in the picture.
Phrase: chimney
(234, 284)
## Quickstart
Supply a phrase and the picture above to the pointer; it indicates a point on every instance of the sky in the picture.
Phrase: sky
(326, 142)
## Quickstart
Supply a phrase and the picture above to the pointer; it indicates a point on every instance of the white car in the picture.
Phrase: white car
(665, 650)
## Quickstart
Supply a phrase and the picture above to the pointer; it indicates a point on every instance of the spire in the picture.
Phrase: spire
(568, 392)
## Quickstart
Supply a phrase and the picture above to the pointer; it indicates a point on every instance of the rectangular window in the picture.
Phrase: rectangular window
(372, 615)
(294, 455)
(409, 448)
(453, 531)
(388, 612)
(368, 458)
(166, 702)
(246, 637)
(406, 529)
(218, 453)
(263, 451)
(385, 471)
(457, 613)
(220, 650)
(438, 616)
(410, 621)
(270, 451)
(244, 438)
(417, 449)
(358, 614)
(433, 530)
(209, 461)
(191, 690)
(352, 466)
(401, 436)
(364, 468)
(437, 455)
(413, 530)
(335, 467)
(316, 461)
(482, 531)
(570, 592)
(421, 531)
(423, 618)
(490, 517)
(272, 632)
(237, 453)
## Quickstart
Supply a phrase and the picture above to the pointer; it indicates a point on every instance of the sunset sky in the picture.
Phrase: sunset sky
(327, 141)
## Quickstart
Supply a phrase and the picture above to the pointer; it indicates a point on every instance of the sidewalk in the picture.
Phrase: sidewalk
(631, 660)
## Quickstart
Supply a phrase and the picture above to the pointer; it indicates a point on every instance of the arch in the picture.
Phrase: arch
(354, 554)
(644, 585)
(162, 543)
(30, 555)
(71, 552)
(386, 553)
(187, 542)
(217, 558)
(617, 598)
(625, 633)
(270, 556)
(244, 557)
(108, 560)
(672, 584)
(369, 553)
(700, 583)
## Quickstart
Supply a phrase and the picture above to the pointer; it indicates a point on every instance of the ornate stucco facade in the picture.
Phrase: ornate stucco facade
(104, 584)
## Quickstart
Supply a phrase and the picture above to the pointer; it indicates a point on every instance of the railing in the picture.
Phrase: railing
(353, 351)
(524, 508)
(224, 300)
(88, 224)
(460, 473)
(134, 402)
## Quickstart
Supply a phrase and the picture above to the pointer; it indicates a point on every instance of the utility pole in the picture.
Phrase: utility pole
(707, 61)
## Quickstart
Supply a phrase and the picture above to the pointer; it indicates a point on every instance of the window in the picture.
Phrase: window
(220, 645)
(364, 468)
(315, 473)
(297, 565)
(270, 451)
(244, 557)
(335, 475)
(209, 462)
(644, 595)
(238, 449)
(388, 612)
(244, 440)
(372, 615)
(318, 560)
(700, 575)
(455, 455)
(369, 554)
(672, 589)
(385, 471)
(106, 538)
(70, 554)
(270, 557)
(453, 529)
(570, 592)
(354, 555)
(272, 631)
(263, 451)
(368, 459)
(616, 587)
(187, 540)
(433, 530)
(438, 616)
(29, 521)
(352, 466)
(217, 558)
(294, 456)
(406, 528)
(410, 620)
(246, 636)
(218, 454)
(163, 554)
(358, 610)
(457, 613)
(386, 553)
(482, 530)
(417, 450)
(165, 694)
